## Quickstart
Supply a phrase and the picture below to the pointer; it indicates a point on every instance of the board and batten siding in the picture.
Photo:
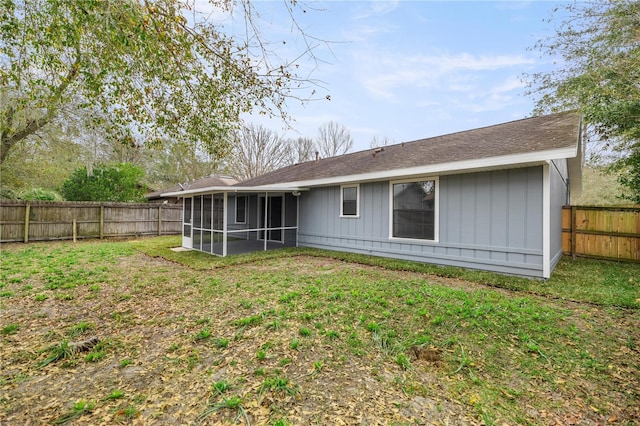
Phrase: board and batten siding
(487, 220)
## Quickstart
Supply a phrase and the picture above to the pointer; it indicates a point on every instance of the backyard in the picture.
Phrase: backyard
(130, 332)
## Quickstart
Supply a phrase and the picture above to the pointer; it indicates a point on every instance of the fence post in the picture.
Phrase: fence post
(27, 213)
(101, 221)
(573, 231)
(75, 231)
(159, 219)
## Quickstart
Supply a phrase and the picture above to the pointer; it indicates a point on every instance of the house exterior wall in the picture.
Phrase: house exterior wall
(487, 220)
(558, 175)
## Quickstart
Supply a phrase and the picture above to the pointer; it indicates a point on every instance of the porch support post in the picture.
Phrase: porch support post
(224, 224)
(297, 218)
(266, 209)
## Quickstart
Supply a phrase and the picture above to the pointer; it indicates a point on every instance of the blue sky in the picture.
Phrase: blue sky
(407, 70)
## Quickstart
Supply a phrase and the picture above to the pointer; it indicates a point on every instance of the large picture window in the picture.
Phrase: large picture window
(349, 201)
(414, 212)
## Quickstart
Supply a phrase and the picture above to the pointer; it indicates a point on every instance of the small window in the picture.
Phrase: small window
(241, 209)
(414, 210)
(349, 201)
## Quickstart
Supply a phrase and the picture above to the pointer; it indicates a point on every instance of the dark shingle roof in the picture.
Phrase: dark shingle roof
(213, 180)
(536, 134)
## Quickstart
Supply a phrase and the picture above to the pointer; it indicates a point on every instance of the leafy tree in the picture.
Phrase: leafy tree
(334, 139)
(118, 182)
(599, 47)
(179, 163)
(42, 162)
(152, 71)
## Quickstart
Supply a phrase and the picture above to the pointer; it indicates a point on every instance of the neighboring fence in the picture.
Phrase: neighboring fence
(601, 232)
(54, 220)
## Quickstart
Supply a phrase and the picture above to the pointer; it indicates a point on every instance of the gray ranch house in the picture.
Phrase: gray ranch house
(489, 199)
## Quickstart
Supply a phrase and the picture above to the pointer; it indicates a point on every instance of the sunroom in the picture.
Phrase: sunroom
(235, 220)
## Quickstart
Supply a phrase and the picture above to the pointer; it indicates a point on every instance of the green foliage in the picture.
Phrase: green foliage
(39, 194)
(119, 182)
(598, 42)
(155, 74)
(10, 329)
(79, 409)
(8, 194)
(599, 188)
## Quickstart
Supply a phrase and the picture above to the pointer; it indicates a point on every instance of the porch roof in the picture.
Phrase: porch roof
(235, 189)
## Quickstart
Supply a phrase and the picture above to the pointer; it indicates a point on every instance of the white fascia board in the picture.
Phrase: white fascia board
(504, 161)
(233, 189)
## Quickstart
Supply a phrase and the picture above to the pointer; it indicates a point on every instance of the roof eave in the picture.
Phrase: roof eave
(234, 189)
(491, 163)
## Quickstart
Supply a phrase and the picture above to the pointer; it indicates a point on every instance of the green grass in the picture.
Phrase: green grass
(305, 323)
(10, 329)
(600, 282)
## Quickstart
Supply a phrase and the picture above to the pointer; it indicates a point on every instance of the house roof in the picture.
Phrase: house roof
(517, 143)
(206, 182)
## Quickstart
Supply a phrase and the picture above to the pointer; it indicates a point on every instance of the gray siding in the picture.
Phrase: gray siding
(558, 174)
(487, 220)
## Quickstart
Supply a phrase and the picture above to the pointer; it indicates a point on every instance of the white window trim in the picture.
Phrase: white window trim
(436, 211)
(350, 216)
(235, 213)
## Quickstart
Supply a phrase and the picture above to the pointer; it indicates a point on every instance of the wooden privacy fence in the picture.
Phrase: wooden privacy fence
(601, 232)
(63, 220)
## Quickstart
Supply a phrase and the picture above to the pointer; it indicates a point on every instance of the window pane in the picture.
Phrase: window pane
(350, 201)
(413, 210)
(206, 212)
(187, 218)
(197, 211)
(349, 208)
(240, 209)
(218, 212)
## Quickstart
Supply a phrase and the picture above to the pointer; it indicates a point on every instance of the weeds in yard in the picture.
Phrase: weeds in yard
(233, 403)
(79, 409)
(304, 332)
(403, 361)
(278, 385)
(80, 328)
(203, 334)
(10, 329)
(498, 353)
(221, 343)
(115, 394)
(249, 321)
(127, 413)
(56, 353)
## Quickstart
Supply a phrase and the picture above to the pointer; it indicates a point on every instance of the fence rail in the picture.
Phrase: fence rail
(601, 232)
(62, 220)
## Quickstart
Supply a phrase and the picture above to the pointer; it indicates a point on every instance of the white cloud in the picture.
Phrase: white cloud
(379, 7)
(384, 76)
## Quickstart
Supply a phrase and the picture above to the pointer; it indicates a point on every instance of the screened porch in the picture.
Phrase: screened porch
(237, 221)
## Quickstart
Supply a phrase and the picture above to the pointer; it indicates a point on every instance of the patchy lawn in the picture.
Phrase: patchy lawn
(99, 332)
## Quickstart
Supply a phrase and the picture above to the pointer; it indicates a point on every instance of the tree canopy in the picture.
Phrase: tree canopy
(598, 47)
(155, 69)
